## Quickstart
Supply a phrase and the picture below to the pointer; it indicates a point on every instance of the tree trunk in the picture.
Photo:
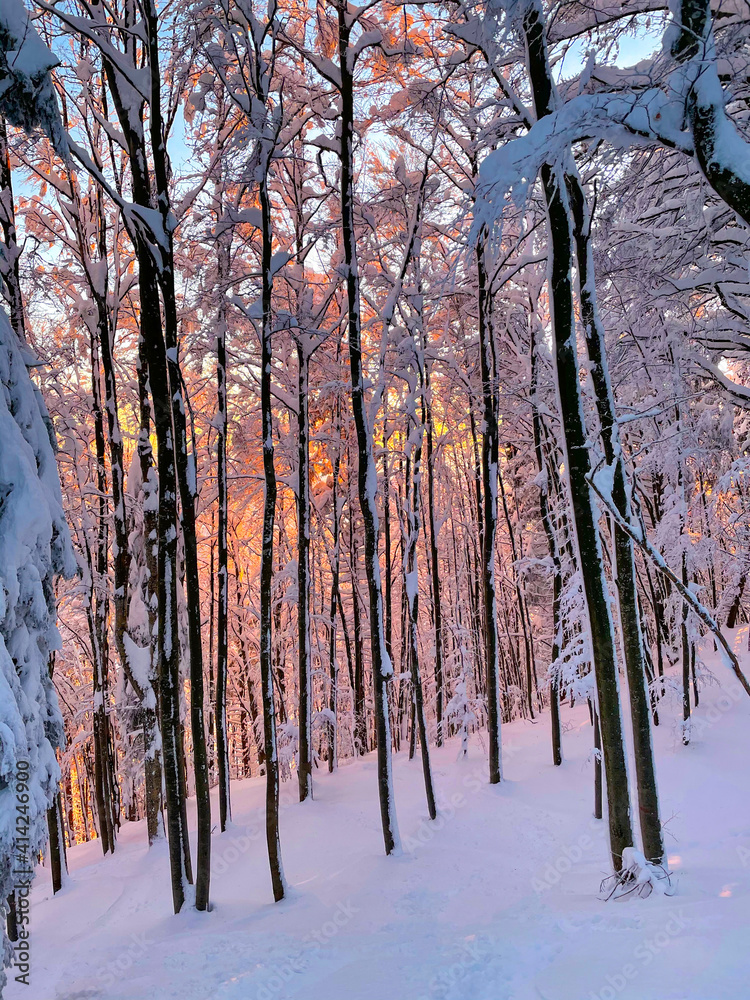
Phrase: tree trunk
(9, 263)
(358, 691)
(382, 668)
(711, 128)
(103, 779)
(437, 609)
(304, 763)
(186, 470)
(490, 449)
(152, 742)
(152, 336)
(411, 583)
(577, 460)
(335, 598)
(57, 854)
(266, 563)
(549, 530)
(222, 615)
(630, 623)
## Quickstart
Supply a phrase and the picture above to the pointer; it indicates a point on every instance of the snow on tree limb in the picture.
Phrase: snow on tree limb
(27, 97)
(599, 481)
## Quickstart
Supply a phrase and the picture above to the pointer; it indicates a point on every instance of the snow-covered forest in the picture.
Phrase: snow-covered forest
(375, 499)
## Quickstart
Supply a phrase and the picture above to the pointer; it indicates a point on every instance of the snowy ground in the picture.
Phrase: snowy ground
(497, 900)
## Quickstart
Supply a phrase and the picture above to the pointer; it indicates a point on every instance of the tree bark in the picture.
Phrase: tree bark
(382, 669)
(561, 249)
(630, 622)
(57, 854)
(186, 470)
(266, 563)
(411, 583)
(304, 763)
(222, 611)
(437, 608)
(549, 531)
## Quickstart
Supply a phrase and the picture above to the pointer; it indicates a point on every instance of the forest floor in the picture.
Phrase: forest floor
(496, 900)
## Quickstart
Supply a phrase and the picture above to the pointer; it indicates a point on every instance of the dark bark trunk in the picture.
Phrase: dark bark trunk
(333, 669)
(490, 454)
(266, 566)
(437, 608)
(411, 583)
(358, 690)
(103, 779)
(597, 767)
(630, 625)
(577, 457)
(382, 669)
(186, 473)
(222, 611)
(685, 649)
(57, 855)
(11, 920)
(736, 603)
(705, 106)
(10, 281)
(304, 763)
(152, 335)
(520, 604)
(387, 542)
(152, 743)
(549, 531)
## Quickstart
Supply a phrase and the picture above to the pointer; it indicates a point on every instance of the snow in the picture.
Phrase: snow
(34, 548)
(496, 900)
(623, 119)
(27, 97)
(139, 662)
(729, 150)
(278, 260)
(29, 56)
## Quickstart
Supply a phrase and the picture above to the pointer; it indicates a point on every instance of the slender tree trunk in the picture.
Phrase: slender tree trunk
(358, 691)
(121, 547)
(520, 603)
(490, 452)
(103, 779)
(222, 616)
(411, 583)
(597, 766)
(335, 598)
(549, 530)
(387, 540)
(382, 668)
(266, 565)
(437, 608)
(304, 764)
(685, 650)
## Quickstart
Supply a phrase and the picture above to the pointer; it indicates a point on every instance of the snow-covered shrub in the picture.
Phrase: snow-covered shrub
(637, 877)
(34, 548)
